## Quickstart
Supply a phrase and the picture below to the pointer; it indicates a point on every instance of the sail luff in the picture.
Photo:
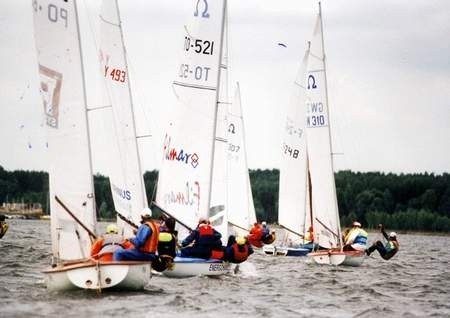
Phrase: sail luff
(224, 8)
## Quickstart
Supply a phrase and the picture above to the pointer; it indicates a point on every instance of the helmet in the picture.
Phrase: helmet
(357, 224)
(392, 235)
(112, 229)
(263, 223)
(240, 240)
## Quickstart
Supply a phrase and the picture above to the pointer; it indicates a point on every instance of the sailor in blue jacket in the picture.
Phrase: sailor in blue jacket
(201, 241)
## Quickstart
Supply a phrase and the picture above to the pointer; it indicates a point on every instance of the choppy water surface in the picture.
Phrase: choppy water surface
(415, 283)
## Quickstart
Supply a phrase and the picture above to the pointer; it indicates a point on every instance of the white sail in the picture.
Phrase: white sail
(184, 183)
(293, 203)
(125, 174)
(241, 210)
(324, 201)
(62, 87)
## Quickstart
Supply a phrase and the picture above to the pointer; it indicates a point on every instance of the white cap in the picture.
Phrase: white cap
(392, 234)
(263, 223)
(146, 211)
(356, 224)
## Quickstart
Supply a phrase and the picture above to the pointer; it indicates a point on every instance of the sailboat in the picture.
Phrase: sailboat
(326, 223)
(72, 206)
(185, 179)
(294, 201)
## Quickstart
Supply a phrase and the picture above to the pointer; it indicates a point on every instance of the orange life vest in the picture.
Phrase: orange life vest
(151, 245)
(240, 252)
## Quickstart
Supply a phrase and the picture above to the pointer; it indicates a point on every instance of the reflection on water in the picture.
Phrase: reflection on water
(415, 283)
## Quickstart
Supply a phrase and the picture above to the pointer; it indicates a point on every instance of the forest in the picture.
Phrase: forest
(409, 202)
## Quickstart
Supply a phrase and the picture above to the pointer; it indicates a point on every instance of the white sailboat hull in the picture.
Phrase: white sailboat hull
(128, 275)
(188, 267)
(336, 258)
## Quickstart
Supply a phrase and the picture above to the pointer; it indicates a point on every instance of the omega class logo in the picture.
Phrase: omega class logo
(50, 90)
(179, 155)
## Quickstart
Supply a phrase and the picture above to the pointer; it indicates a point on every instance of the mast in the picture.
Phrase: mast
(83, 76)
(144, 197)
(329, 123)
(224, 9)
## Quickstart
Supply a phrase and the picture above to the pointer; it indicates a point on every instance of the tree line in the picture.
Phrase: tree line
(419, 202)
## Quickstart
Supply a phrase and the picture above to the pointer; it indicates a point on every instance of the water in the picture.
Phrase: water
(415, 283)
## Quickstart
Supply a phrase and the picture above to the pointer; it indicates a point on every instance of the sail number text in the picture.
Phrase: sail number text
(116, 74)
(316, 114)
(290, 151)
(55, 14)
(198, 72)
(233, 148)
(199, 46)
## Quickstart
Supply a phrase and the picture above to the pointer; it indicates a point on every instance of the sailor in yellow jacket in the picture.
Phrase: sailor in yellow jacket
(355, 239)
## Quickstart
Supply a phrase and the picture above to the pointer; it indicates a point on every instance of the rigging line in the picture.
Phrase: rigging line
(99, 108)
(316, 56)
(195, 86)
(291, 231)
(317, 70)
(143, 136)
(108, 22)
(299, 85)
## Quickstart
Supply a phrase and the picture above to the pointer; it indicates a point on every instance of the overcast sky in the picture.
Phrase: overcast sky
(388, 68)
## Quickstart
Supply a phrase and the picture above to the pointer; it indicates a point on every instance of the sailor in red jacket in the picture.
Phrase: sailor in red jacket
(237, 250)
(201, 241)
(260, 235)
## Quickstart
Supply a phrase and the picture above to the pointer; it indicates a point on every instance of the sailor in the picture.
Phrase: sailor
(201, 241)
(255, 235)
(386, 250)
(355, 239)
(265, 229)
(104, 247)
(167, 244)
(260, 235)
(309, 237)
(237, 250)
(145, 243)
(3, 225)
